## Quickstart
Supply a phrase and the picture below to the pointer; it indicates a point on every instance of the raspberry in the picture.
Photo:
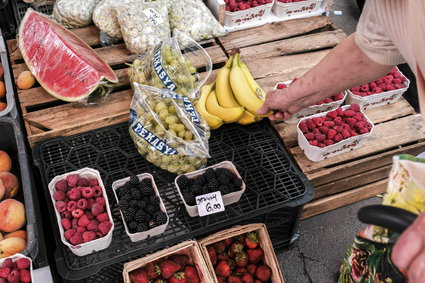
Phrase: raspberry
(378, 82)
(97, 191)
(303, 127)
(83, 182)
(23, 263)
(91, 202)
(310, 124)
(89, 215)
(254, 4)
(328, 142)
(25, 275)
(74, 194)
(247, 5)
(345, 134)
(93, 182)
(82, 203)
(372, 85)
(364, 130)
(96, 209)
(349, 113)
(338, 121)
(77, 213)
(83, 221)
(101, 200)
(397, 81)
(323, 129)
(313, 142)
(60, 206)
(81, 229)
(328, 100)
(321, 145)
(62, 185)
(390, 87)
(74, 223)
(102, 217)
(309, 136)
(320, 137)
(318, 121)
(76, 239)
(72, 180)
(7, 263)
(88, 236)
(351, 122)
(337, 138)
(241, 6)
(69, 233)
(355, 107)
(5, 271)
(331, 134)
(329, 124)
(66, 223)
(93, 225)
(71, 206)
(13, 276)
(87, 192)
(281, 86)
(368, 126)
(389, 77)
(403, 79)
(104, 227)
(353, 134)
(99, 234)
(316, 131)
(59, 195)
(339, 96)
(387, 82)
(337, 129)
(365, 87)
(359, 125)
(357, 88)
(332, 114)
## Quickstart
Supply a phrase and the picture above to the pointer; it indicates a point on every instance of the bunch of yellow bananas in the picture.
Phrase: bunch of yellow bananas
(234, 97)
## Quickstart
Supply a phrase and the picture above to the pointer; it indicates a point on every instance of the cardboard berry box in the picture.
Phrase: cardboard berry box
(246, 16)
(315, 153)
(264, 243)
(189, 248)
(134, 237)
(230, 198)
(297, 9)
(313, 109)
(16, 257)
(94, 245)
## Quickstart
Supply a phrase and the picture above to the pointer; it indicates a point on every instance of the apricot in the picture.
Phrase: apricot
(25, 80)
(2, 90)
(5, 162)
(13, 215)
(20, 234)
(1, 71)
(10, 183)
(12, 246)
(1, 236)
(3, 106)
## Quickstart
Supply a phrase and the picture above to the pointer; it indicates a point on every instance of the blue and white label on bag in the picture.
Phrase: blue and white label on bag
(153, 16)
(209, 203)
(160, 71)
(153, 140)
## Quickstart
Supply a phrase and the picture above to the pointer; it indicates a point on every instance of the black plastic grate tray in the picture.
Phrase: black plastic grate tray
(273, 182)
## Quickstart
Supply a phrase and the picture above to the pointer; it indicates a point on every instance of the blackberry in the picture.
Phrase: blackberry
(209, 174)
(197, 190)
(124, 190)
(205, 190)
(189, 198)
(223, 180)
(222, 172)
(160, 217)
(132, 226)
(151, 209)
(184, 182)
(129, 214)
(142, 227)
(237, 183)
(136, 194)
(213, 185)
(140, 217)
(133, 203)
(149, 217)
(142, 203)
(146, 183)
(126, 197)
(154, 200)
(224, 190)
(145, 190)
(123, 206)
(134, 181)
(200, 180)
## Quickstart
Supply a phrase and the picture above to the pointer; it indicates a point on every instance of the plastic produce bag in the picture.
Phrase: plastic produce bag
(195, 19)
(74, 13)
(105, 19)
(168, 66)
(167, 130)
(143, 24)
(368, 259)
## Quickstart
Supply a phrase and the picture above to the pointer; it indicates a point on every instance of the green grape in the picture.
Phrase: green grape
(181, 133)
(173, 127)
(172, 119)
(172, 109)
(159, 131)
(193, 79)
(188, 135)
(180, 127)
(172, 132)
(173, 168)
(163, 114)
(160, 106)
(192, 70)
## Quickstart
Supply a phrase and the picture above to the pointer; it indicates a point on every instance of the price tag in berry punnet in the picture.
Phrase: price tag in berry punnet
(209, 203)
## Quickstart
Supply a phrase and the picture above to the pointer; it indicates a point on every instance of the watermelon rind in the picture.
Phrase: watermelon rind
(103, 81)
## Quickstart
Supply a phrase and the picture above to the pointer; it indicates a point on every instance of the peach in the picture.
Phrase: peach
(12, 215)
(5, 161)
(20, 234)
(2, 89)
(10, 183)
(1, 236)
(12, 246)
(3, 106)
(25, 80)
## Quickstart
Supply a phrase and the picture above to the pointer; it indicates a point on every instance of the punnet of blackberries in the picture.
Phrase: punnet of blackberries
(140, 205)
(220, 179)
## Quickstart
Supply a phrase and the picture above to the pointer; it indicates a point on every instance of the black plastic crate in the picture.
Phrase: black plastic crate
(7, 21)
(12, 142)
(274, 185)
(20, 8)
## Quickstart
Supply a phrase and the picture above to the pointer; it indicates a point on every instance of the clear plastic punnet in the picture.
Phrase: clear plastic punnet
(167, 130)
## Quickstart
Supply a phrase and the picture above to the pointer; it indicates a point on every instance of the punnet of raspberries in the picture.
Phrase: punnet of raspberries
(239, 259)
(290, 1)
(335, 126)
(82, 207)
(239, 5)
(176, 268)
(15, 271)
(392, 81)
(140, 205)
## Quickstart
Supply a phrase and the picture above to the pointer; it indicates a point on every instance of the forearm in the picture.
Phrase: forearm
(344, 67)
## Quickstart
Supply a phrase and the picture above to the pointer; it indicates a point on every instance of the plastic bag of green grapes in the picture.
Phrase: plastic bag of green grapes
(167, 130)
(173, 67)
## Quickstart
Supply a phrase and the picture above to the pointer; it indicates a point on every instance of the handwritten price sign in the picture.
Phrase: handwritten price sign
(209, 203)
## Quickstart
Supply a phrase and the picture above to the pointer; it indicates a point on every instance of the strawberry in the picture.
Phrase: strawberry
(220, 247)
(255, 255)
(221, 279)
(192, 275)
(178, 277)
(222, 269)
(236, 247)
(263, 273)
(181, 260)
(168, 268)
(241, 270)
(139, 276)
(240, 238)
(234, 279)
(222, 256)
(247, 278)
(153, 270)
(159, 280)
(251, 268)
(228, 242)
(241, 259)
(212, 254)
(258, 281)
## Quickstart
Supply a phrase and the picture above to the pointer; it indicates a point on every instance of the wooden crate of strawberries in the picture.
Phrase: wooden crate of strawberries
(180, 263)
(242, 254)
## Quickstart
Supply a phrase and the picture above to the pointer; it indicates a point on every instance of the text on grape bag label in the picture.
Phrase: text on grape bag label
(153, 16)
(209, 203)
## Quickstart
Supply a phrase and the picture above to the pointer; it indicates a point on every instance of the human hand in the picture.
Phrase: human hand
(409, 251)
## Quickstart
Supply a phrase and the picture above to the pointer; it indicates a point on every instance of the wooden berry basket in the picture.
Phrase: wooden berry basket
(264, 241)
(189, 248)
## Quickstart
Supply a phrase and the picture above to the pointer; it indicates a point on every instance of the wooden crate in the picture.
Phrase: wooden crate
(264, 242)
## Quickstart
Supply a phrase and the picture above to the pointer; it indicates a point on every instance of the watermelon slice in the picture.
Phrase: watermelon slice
(64, 65)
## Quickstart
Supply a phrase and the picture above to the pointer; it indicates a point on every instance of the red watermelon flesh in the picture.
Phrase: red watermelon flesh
(63, 64)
